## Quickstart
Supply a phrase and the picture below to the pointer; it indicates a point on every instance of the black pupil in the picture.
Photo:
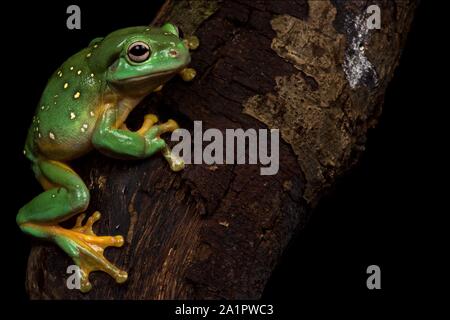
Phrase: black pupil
(138, 50)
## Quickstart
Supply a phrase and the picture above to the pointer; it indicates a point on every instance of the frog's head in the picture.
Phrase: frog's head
(137, 60)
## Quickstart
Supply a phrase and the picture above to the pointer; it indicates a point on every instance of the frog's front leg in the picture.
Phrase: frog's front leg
(66, 195)
(122, 143)
(176, 163)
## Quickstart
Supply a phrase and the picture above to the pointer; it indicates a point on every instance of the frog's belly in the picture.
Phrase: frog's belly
(66, 141)
(70, 149)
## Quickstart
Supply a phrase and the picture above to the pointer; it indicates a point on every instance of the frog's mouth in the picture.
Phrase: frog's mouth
(144, 84)
(144, 78)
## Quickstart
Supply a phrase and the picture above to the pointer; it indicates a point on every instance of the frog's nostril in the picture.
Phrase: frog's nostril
(173, 53)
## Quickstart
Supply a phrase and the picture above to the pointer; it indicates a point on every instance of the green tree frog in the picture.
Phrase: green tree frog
(83, 107)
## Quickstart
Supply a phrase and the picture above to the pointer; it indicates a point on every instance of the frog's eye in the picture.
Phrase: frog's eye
(138, 51)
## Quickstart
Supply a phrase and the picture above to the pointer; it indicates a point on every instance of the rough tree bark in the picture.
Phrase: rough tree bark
(312, 69)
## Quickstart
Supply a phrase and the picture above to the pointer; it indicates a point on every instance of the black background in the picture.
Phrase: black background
(380, 213)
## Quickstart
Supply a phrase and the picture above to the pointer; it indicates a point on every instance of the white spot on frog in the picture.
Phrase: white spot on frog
(66, 85)
(72, 116)
(51, 135)
(92, 113)
(78, 72)
(76, 95)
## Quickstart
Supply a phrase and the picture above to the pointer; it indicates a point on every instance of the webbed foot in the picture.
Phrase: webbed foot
(86, 249)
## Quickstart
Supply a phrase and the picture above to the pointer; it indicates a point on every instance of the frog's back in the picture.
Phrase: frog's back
(67, 111)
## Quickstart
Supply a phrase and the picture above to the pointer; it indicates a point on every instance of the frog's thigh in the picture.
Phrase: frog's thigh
(65, 196)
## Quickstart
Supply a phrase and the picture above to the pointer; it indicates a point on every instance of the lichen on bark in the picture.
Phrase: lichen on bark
(302, 104)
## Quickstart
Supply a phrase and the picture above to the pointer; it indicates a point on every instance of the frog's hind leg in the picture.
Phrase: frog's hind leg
(66, 195)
